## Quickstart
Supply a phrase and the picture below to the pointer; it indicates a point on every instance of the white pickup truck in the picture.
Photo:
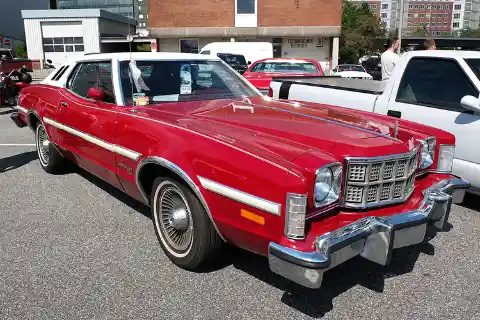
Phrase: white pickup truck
(437, 88)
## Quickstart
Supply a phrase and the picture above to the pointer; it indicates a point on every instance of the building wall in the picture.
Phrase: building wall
(127, 8)
(113, 28)
(11, 23)
(273, 13)
(435, 15)
(189, 13)
(142, 17)
(472, 14)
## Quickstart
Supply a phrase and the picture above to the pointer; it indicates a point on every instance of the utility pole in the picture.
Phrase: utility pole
(400, 25)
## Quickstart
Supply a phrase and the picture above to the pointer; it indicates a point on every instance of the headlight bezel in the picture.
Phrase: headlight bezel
(335, 170)
(431, 144)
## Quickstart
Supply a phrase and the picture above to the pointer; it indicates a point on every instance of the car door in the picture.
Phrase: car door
(429, 93)
(88, 126)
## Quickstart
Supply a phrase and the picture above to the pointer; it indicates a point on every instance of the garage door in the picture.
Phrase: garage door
(62, 41)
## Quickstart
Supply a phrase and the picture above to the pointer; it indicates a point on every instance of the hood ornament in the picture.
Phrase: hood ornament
(395, 130)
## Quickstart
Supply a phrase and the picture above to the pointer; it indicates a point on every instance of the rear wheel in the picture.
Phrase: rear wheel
(181, 224)
(50, 159)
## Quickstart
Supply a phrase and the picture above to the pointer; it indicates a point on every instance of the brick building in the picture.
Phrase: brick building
(188, 25)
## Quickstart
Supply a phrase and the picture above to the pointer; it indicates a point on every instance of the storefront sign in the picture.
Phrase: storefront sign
(299, 43)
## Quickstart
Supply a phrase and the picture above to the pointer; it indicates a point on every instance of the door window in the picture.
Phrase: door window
(93, 75)
(436, 83)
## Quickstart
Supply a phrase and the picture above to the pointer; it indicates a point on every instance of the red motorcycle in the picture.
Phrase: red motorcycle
(11, 84)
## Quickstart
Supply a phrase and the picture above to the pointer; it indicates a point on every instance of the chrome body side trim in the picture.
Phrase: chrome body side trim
(21, 109)
(127, 153)
(182, 174)
(240, 196)
(372, 238)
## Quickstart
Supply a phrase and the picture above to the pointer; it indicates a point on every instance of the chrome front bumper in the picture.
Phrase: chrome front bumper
(372, 238)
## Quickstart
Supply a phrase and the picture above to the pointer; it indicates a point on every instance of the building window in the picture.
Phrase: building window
(456, 16)
(416, 6)
(384, 15)
(445, 24)
(385, 6)
(68, 44)
(428, 6)
(422, 6)
(189, 45)
(458, 7)
(434, 6)
(245, 6)
(456, 24)
(421, 15)
(410, 6)
(410, 15)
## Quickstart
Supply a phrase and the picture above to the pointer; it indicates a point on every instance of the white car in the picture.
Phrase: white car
(351, 71)
(439, 88)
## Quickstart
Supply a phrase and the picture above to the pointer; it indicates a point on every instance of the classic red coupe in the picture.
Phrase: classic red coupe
(261, 72)
(308, 185)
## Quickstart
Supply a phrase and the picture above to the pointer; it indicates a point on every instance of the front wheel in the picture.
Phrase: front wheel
(181, 224)
(50, 159)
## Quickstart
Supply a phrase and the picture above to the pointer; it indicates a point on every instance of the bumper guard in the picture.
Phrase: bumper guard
(373, 238)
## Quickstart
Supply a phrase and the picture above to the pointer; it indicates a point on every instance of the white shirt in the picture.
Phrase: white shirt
(389, 60)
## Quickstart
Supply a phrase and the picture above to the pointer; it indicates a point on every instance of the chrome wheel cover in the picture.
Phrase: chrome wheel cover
(174, 219)
(43, 145)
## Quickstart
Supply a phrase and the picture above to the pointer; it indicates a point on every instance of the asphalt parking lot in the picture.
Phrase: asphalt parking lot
(71, 247)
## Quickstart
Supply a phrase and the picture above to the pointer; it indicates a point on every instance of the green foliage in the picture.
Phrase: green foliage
(21, 50)
(143, 47)
(362, 32)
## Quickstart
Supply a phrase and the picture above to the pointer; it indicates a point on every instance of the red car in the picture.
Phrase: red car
(261, 72)
(308, 185)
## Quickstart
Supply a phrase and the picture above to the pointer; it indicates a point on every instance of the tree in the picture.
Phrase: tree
(21, 50)
(144, 47)
(362, 32)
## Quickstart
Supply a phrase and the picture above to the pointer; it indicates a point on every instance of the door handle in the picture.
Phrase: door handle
(63, 103)
(394, 113)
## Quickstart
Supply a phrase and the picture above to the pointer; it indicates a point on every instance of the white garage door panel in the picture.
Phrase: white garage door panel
(62, 29)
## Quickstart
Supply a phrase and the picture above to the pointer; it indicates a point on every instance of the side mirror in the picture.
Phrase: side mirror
(249, 62)
(96, 94)
(49, 61)
(471, 103)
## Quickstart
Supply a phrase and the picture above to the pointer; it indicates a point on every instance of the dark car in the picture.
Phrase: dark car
(236, 61)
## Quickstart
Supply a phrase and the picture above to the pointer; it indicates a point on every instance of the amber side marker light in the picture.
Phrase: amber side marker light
(252, 216)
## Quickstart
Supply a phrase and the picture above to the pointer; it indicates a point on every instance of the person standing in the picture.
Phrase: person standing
(389, 58)
(430, 44)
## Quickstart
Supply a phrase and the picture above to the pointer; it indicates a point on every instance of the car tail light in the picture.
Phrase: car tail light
(270, 92)
(295, 216)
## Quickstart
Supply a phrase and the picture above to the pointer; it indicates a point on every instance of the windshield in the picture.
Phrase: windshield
(285, 67)
(232, 59)
(475, 66)
(350, 68)
(157, 82)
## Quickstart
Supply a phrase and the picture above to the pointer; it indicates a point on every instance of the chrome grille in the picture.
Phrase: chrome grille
(380, 181)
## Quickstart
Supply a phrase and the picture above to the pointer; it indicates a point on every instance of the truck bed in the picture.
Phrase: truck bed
(336, 91)
(358, 85)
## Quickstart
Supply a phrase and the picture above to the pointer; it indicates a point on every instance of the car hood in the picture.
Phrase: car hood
(284, 129)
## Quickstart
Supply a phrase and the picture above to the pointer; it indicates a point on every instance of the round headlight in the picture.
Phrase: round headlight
(323, 184)
(327, 184)
(427, 153)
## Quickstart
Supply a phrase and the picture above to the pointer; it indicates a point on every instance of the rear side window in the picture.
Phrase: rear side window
(436, 83)
(474, 64)
(205, 52)
(289, 67)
